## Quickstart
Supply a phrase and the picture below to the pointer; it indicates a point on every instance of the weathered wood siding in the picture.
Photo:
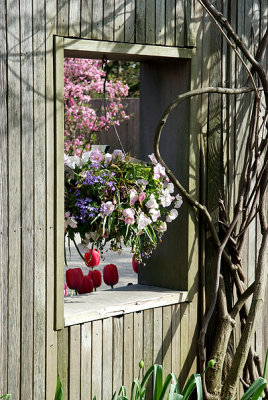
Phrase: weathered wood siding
(109, 350)
(96, 357)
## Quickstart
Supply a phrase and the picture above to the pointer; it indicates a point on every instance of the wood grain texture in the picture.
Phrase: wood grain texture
(51, 335)
(107, 370)
(74, 18)
(170, 22)
(129, 21)
(119, 20)
(86, 352)
(140, 21)
(138, 341)
(128, 339)
(86, 18)
(97, 351)
(63, 359)
(3, 207)
(108, 19)
(74, 363)
(39, 168)
(14, 195)
(118, 330)
(62, 17)
(167, 340)
(158, 335)
(97, 19)
(150, 22)
(27, 186)
(148, 317)
(160, 14)
(176, 340)
(179, 18)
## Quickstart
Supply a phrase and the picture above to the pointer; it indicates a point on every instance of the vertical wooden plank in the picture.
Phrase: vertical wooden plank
(148, 317)
(150, 22)
(160, 14)
(170, 22)
(14, 194)
(158, 335)
(107, 371)
(108, 19)
(180, 23)
(62, 13)
(4, 205)
(140, 21)
(138, 341)
(27, 203)
(128, 352)
(86, 351)
(176, 340)
(39, 49)
(96, 372)
(190, 39)
(184, 346)
(51, 336)
(119, 20)
(167, 330)
(74, 18)
(118, 329)
(74, 363)
(129, 21)
(97, 19)
(86, 20)
(63, 360)
(59, 182)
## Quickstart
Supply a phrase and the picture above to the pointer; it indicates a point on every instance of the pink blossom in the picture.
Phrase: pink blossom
(143, 221)
(152, 158)
(96, 156)
(152, 203)
(107, 159)
(172, 215)
(178, 202)
(142, 196)
(129, 216)
(154, 213)
(133, 197)
(159, 171)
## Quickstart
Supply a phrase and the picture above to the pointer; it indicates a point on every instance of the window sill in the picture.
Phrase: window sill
(124, 300)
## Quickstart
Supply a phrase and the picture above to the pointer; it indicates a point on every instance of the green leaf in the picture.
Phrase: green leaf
(190, 385)
(7, 396)
(265, 365)
(165, 387)
(59, 390)
(147, 376)
(157, 381)
(259, 384)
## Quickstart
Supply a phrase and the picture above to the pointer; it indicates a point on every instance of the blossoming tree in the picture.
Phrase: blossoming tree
(85, 79)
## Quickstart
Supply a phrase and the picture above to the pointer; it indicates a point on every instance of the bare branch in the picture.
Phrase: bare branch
(241, 301)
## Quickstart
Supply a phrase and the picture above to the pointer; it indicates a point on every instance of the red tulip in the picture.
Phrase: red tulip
(74, 278)
(110, 275)
(135, 265)
(95, 275)
(87, 285)
(94, 260)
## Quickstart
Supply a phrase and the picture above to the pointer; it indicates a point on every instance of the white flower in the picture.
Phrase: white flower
(152, 158)
(107, 159)
(83, 248)
(152, 203)
(85, 157)
(69, 221)
(72, 161)
(129, 216)
(178, 202)
(143, 221)
(159, 171)
(170, 187)
(155, 214)
(118, 154)
(165, 198)
(107, 208)
(172, 215)
(161, 226)
(133, 197)
(142, 182)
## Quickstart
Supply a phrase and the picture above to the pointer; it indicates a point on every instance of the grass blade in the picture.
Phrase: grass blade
(59, 390)
(157, 381)
(265, 365)
(254, 388)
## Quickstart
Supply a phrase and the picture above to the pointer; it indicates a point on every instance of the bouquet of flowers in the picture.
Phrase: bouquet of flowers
(109, 198)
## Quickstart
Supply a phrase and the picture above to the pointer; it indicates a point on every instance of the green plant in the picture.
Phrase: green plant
(169, 389)
(6, 396)
(59, 391)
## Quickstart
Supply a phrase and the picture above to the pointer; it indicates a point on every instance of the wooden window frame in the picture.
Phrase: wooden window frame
(84, 48)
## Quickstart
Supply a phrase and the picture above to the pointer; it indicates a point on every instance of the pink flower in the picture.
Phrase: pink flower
(96, 156)
(65, 290)
(143, 221)
(154, 213)
(159, 171)
(129, 216)
(118, 154)
(142, 196)
(152, 158)
(133, 197)
(152, 203)
(172, 215)
(178, 202)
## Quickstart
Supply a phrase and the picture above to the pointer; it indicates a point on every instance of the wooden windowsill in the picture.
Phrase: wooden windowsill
(124, 300)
